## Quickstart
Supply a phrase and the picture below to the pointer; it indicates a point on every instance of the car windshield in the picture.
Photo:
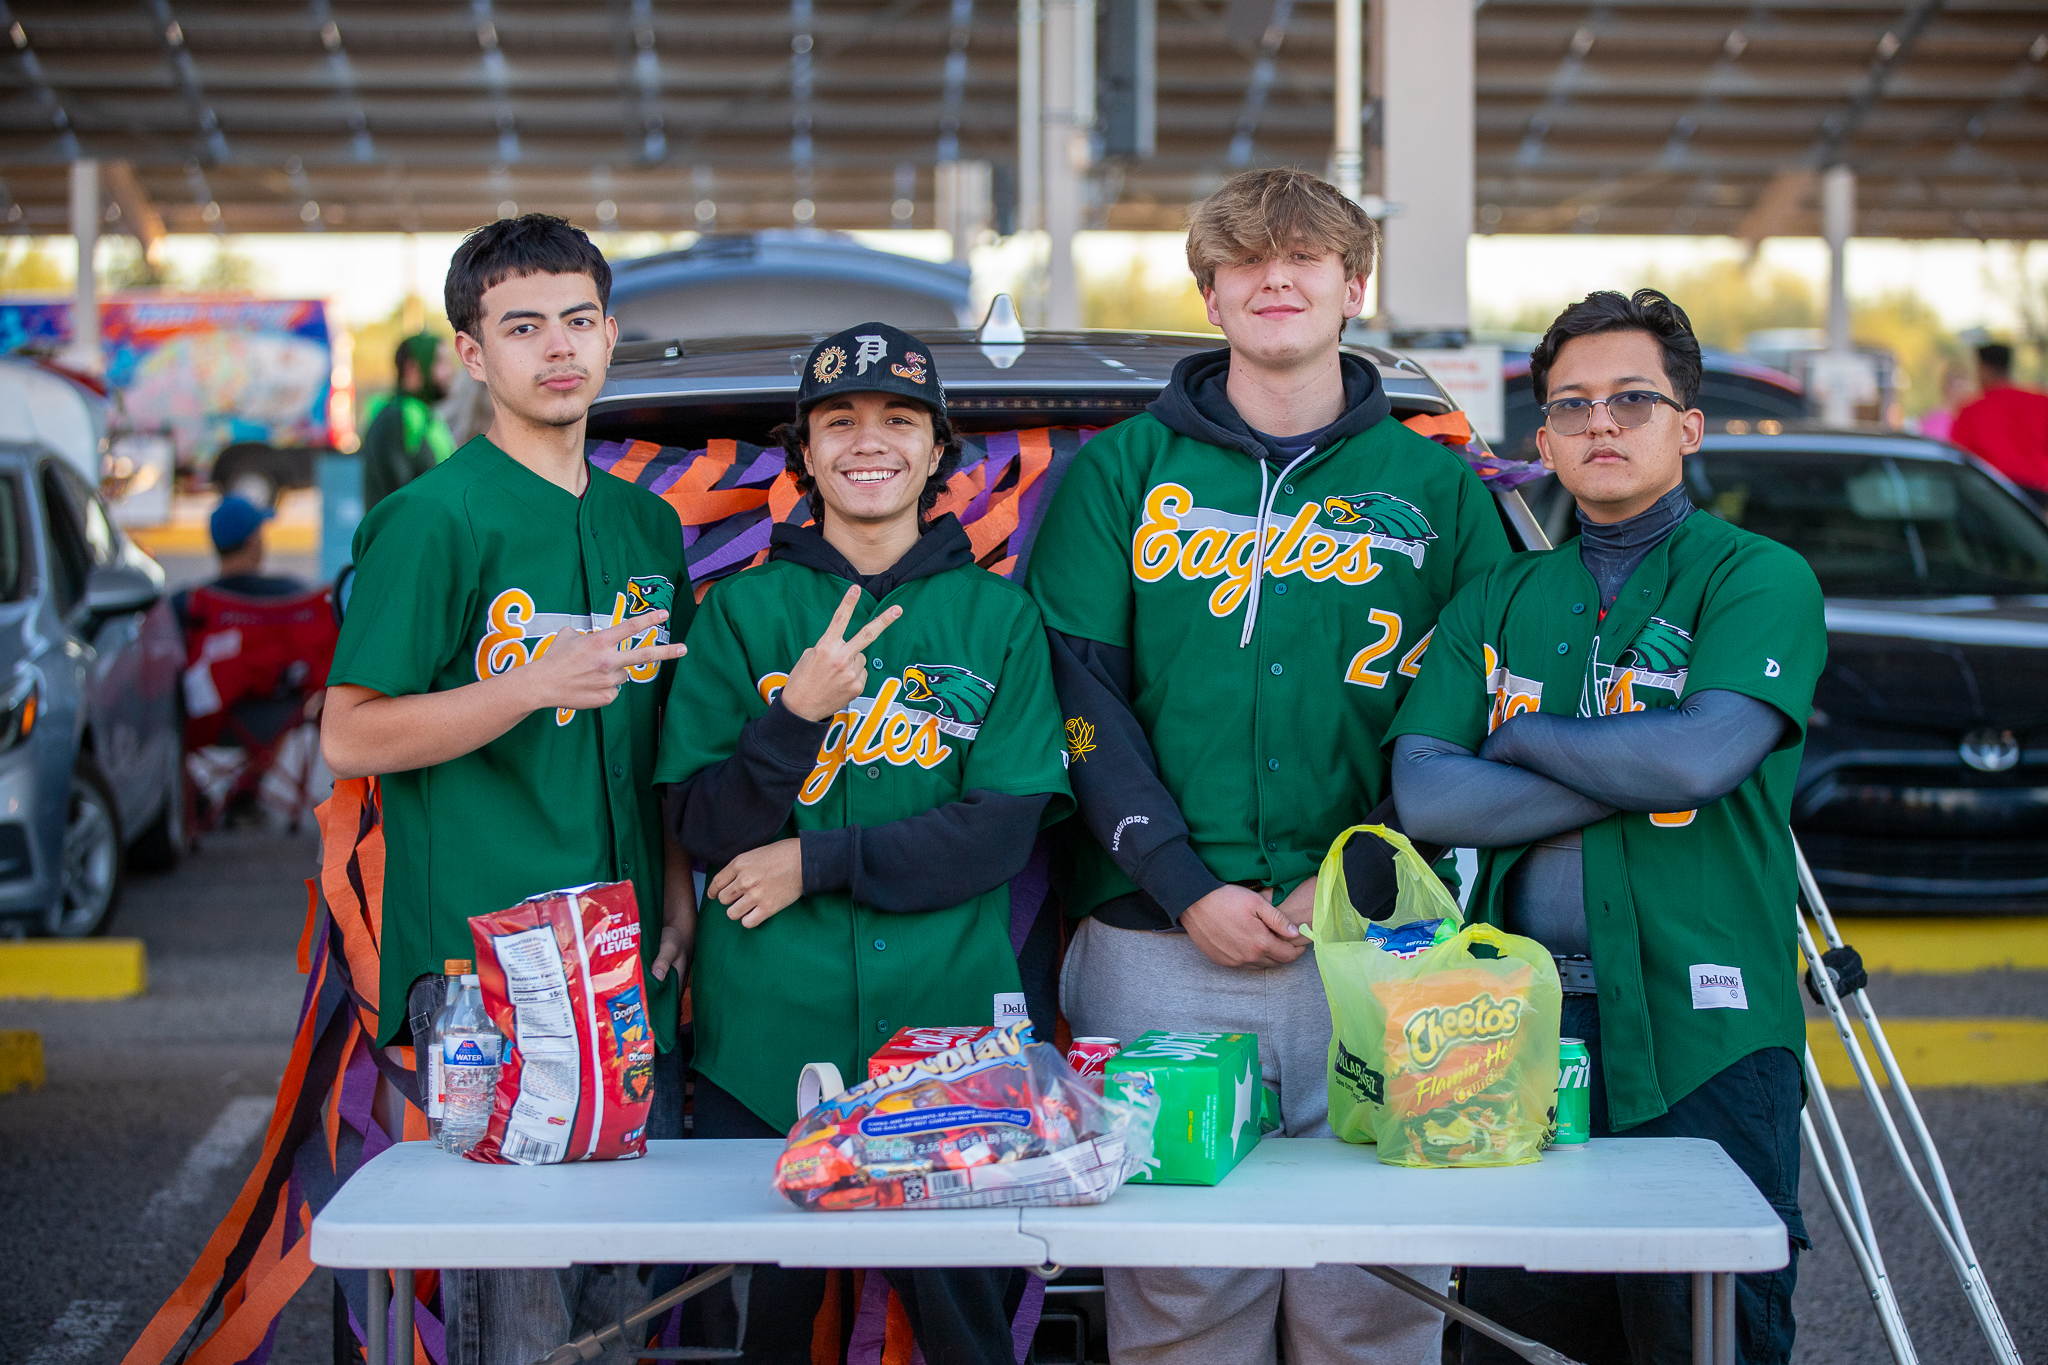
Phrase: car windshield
(1878, 526)
(12, 579)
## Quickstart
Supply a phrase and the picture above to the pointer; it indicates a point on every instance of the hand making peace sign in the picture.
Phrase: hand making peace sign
(834, 671)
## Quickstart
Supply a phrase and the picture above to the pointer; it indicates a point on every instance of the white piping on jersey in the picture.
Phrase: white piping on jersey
(1251, 611)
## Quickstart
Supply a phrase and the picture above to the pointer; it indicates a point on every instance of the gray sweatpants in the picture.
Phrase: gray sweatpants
(1116, 984)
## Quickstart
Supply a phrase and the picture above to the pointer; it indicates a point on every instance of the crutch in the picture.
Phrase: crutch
(1948, 1219)
(1852, 1214)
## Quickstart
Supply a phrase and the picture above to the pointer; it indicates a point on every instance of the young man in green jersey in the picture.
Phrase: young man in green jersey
(1616, 724)
(1239, 586)
(862, 801)
(502, 667)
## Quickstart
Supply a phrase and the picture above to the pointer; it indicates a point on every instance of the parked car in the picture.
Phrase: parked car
(1925, 780)
(90, 655)
(780, 281)
(998, 378)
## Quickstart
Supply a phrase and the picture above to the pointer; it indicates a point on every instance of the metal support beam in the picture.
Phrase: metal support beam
(138, 212)
(1030, 115)
(1424, 59)
(1347, 157)
(85, 229)
(1843, 378)
(1069, 114)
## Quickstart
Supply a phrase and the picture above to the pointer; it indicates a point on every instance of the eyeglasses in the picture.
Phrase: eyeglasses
(1571, 416)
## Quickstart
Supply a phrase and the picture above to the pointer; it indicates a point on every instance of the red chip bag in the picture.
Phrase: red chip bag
(561, 980)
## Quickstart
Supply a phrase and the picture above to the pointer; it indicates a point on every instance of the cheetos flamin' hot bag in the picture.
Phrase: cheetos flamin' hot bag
(1443, 1045)
(561, 980)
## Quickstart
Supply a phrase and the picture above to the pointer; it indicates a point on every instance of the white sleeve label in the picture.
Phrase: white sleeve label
(1010, 1008)
(1718, 988)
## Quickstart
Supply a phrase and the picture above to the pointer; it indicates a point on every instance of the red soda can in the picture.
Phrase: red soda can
(1088, 1056)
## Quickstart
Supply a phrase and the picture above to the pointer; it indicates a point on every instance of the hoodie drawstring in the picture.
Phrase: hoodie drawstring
(1251, 611)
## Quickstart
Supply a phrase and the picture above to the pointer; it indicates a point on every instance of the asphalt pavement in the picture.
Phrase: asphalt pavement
(116, 1172)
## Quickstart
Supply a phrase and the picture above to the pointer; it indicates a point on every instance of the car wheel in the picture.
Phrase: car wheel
(89, 877)
(164, 844)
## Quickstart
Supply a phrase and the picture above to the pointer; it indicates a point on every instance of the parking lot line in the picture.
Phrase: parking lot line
(76, 1336)
(221, 1147)
(1944, 945)
(1941, 1052)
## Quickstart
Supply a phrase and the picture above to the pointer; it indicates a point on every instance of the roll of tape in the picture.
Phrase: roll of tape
(818, 1082)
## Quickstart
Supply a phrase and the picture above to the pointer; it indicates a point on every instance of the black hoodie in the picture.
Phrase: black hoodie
(1094, 679)
(941, 858)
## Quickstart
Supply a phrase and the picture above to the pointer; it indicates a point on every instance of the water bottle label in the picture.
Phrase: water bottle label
(471, 1051)
(437, 1084)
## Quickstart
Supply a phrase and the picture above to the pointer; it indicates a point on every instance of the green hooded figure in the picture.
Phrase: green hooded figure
(403, 436)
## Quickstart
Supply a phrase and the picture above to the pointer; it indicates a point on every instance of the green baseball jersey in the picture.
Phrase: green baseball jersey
(1689, 913)
(1271, 746)
(959, 698)
(462, 575)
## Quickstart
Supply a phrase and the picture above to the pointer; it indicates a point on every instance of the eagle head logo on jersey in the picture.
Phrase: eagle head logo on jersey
(1660, 648)
(1392, 517)
(649, 592)
(948, 691)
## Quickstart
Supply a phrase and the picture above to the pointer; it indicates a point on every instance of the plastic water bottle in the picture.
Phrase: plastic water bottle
(470, 1050)
(437, 1082)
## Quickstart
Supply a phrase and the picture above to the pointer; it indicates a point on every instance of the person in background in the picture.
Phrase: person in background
(2007, 427)
(466, 409)
(237, 530)
(403, 436)
(1956, 389)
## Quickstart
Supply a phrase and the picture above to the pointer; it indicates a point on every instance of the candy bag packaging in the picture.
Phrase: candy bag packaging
(561, 979)
(915, 1044)
(994, 1122)
(1444, 1039)
(1211, 1101)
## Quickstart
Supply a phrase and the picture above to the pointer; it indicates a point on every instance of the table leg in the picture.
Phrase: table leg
(401, 1331)
(380, 1293)
(1724, 1319)
(1702, 1319)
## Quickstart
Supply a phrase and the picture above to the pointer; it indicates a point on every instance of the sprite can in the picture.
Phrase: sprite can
(1574, 1092)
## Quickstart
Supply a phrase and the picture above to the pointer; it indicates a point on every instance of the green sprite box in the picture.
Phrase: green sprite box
(1211, 1102)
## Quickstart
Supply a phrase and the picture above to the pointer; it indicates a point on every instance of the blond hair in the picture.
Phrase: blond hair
(1262, 211)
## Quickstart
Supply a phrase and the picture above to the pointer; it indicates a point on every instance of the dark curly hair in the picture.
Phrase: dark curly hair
(792, 435)
(1647, 310)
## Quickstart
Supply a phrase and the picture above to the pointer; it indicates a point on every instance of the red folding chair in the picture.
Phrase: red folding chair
(255, 674)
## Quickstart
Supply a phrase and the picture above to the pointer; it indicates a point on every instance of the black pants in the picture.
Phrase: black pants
(1752, 1109)
(959, 1316)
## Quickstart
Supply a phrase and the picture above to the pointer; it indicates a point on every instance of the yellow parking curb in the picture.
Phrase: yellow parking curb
(85, 969)
(1941, 1052)
(1941, 945)
(21, 1060)
(191, 538)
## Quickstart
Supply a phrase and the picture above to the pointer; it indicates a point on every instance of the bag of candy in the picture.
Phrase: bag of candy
(1443, 1045)
(561, 980)
(995, 1122)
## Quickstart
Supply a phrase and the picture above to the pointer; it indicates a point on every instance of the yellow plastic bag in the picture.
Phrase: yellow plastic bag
(1443, 1052)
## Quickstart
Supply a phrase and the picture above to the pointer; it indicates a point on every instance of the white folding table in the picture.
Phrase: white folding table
(1641, 1205)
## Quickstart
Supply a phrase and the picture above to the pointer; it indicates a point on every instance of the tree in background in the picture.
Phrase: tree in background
(1138, 299)
(26, 265)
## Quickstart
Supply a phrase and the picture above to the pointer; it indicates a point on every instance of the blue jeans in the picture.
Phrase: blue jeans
(1752, 1109)
(515, 1317)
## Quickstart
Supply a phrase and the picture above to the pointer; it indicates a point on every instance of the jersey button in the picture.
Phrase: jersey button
(1287, 488)
(1274, 764)
(878, 663)
(1578, 608)
(1563, 648)
(1280, 588)
(618, 770)
(881, 944)
(874, 772)
(1276, 670)
(1272, 846)
(881, 1025)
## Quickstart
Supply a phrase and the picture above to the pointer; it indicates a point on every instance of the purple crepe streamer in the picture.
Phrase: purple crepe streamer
(738, 550)
(1029, 1309)
(1002, 450)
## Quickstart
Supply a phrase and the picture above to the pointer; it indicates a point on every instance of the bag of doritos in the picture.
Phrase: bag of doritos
(1443, 1046)
(561, 980)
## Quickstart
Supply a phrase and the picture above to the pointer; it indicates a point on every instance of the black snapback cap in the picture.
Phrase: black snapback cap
(871, 358)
